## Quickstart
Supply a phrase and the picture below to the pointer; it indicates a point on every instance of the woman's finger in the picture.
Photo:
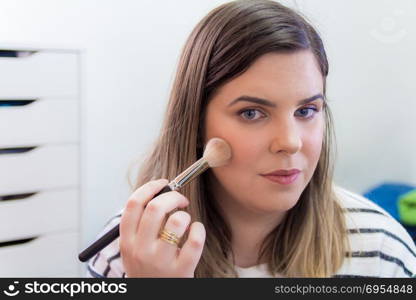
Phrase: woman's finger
(191, 251)
(154, 215)
(177, 224)
(134, 208)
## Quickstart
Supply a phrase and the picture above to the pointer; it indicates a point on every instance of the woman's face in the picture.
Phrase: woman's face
(272, 117)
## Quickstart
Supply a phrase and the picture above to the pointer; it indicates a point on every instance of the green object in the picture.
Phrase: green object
(407, 208)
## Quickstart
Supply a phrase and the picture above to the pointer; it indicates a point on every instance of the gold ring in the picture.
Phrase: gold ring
(169, 236)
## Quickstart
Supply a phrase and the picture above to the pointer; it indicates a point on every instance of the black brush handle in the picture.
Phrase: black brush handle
(109, 236)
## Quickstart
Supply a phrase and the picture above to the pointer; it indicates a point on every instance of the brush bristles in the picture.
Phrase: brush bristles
(217, 152)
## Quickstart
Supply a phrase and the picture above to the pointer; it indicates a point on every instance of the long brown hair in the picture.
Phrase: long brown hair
(311, 240)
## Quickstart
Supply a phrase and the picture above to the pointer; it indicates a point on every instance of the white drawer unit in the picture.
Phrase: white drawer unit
(30, 122)
(53, 255)
(39, 213)
(39, 162)
(39, 168)
(40, 73)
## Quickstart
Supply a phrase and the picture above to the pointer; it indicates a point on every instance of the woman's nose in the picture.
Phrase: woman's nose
(286, 138)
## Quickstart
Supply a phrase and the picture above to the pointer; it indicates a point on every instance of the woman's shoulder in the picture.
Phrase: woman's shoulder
(355, 202)
(380, 246)
(361, 212)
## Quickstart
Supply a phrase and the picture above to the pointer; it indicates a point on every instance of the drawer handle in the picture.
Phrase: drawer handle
(16, 150)
(7, 103)
(17, 196)
(17, 242)
(16, 53)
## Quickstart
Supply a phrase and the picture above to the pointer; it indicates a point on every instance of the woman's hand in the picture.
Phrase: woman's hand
(142, 252)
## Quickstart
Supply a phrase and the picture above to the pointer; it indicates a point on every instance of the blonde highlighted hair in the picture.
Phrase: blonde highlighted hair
(311, 241)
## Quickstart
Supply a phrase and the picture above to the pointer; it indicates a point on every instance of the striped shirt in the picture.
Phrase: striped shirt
(380, 246)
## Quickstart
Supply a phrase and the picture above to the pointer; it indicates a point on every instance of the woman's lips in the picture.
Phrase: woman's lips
(283, 179)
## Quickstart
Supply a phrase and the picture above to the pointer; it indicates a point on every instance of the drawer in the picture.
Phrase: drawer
(42, 213)
(39, 169)
(39, 122)
(52, 255)
(39, 74)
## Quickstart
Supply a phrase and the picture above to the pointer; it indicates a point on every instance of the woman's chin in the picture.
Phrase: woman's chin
(268, 205)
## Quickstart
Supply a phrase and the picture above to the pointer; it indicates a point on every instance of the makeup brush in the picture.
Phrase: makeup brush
(217, 153)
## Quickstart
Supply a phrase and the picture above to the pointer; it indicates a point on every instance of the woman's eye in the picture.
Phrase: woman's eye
(251, 114)
(307, 112)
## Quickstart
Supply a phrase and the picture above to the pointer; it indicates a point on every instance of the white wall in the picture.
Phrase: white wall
(131, 49)
(371, 47)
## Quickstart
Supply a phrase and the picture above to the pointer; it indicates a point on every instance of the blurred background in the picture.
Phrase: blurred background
(120, 59)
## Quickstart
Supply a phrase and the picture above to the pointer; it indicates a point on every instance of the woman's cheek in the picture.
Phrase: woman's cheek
(236, 174)
(250, 146)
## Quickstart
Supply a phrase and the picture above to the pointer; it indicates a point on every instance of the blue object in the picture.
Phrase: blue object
(386, 195)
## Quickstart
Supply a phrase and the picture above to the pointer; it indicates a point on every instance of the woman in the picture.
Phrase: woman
(254, 74)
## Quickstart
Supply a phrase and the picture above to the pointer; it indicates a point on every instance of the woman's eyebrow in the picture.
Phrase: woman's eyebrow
(266, 102)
